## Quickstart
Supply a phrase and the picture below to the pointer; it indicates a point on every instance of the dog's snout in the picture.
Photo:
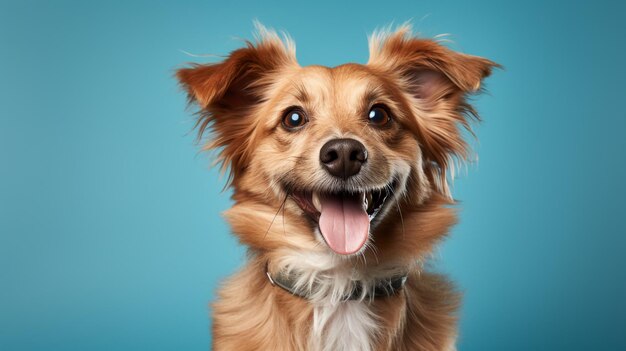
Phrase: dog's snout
(343, 158)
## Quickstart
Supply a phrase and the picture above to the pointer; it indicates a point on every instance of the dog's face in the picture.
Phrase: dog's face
(339, 153)
(337, 146)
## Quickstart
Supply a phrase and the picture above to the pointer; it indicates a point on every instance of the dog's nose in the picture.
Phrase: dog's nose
(343, 158)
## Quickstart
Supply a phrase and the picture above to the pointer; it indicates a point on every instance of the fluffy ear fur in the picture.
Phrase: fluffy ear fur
(436, 81)
(229, 91)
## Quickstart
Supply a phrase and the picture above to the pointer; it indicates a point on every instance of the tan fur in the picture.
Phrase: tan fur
(242, 102)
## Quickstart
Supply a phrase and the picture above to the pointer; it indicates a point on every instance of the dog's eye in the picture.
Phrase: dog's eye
(378, 116)
(294, 119)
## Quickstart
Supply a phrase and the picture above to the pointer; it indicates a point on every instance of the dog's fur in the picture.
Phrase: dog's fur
(243, 99)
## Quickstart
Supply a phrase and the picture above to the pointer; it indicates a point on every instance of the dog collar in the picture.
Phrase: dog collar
(385, 287)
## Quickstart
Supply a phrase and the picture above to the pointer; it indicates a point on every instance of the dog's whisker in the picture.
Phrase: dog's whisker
(401, 220)
(375, 252)
(277, 212)
(397, 203)
(283, 206)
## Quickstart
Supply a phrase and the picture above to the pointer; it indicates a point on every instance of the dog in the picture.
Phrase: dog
(340, 181)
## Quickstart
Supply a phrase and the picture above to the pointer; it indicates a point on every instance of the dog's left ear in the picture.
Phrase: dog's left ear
(229, 93)
(435, 81)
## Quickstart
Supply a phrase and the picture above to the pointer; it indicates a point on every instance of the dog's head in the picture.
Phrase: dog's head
(353, 156)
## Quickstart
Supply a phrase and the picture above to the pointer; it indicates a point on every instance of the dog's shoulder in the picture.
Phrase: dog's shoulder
(432, 304)
(250, 314)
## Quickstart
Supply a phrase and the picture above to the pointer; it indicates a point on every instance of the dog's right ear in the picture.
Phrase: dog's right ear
(228, 92)
(209, 83)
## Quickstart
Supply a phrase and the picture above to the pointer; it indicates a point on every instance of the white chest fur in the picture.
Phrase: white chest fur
(346, 326)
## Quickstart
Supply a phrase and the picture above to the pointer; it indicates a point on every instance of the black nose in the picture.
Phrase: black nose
(343, 157)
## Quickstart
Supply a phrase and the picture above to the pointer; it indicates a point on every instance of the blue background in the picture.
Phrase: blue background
(111, 237)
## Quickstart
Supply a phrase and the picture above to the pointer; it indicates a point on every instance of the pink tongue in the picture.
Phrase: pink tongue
(344, 223)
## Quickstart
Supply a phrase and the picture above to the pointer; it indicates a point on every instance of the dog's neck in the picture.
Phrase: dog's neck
(322, 277)
(359, 290)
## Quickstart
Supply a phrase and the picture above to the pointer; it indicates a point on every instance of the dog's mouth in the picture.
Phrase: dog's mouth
(344, 217)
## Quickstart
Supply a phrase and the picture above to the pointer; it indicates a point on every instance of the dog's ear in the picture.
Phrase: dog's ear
(435, 81)
(228, 93)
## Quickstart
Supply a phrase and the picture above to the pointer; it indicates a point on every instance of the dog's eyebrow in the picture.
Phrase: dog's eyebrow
(301, 94)
(372, 93)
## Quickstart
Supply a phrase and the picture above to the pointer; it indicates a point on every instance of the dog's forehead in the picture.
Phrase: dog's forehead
(345, 84)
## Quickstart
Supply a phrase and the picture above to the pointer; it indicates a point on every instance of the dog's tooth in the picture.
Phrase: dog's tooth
(368, 200)
(316, 202)
(364, 201)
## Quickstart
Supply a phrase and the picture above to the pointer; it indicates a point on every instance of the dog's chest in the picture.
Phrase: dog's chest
(345, 326)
